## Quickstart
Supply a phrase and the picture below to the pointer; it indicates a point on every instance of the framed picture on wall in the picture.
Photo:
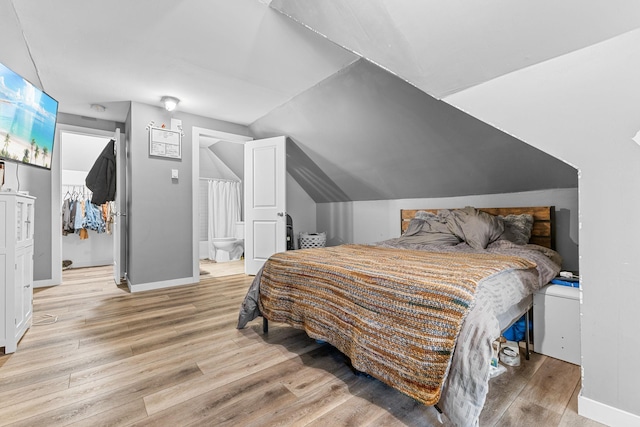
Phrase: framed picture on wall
(165, 143)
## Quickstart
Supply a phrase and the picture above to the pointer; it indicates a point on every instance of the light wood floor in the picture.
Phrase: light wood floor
(220, 269)
(173, 357)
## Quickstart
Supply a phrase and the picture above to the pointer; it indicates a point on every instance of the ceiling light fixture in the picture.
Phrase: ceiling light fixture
(170, 102)
(99, 108)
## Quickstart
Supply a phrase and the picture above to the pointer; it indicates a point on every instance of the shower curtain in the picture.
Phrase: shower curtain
(224, 210)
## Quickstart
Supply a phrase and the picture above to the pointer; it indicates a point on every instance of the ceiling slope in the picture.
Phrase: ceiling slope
(377, 137)
(229, 60)
(445, 47)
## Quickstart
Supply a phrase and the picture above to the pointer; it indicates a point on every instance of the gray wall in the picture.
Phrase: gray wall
(160, 209)
(373, 221)
(89, 122)
(301, 207)
(212, 167)
(365, 134)
(583, 107)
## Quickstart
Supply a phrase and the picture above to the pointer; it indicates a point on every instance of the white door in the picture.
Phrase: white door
(265, 222)
(119, 218)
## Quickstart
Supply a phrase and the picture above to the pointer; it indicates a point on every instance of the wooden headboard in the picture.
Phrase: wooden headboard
(542, 233)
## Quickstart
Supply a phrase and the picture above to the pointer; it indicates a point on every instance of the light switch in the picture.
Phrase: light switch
(174, 173)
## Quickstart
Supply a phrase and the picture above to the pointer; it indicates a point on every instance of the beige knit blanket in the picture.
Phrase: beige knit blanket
(395, 313)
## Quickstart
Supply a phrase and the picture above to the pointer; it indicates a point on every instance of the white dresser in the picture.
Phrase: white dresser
(16, 267)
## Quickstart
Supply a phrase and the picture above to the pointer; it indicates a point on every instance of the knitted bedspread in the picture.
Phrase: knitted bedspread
(396, 313)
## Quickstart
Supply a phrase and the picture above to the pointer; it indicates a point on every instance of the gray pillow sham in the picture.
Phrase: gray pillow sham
(517, 228)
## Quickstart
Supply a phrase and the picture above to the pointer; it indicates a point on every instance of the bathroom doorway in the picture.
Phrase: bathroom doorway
(221, 225)
(220, 156)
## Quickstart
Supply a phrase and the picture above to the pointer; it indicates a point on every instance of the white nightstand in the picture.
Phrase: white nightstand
(556, 322)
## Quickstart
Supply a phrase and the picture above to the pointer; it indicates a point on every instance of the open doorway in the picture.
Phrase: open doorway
(91, 251)
(92, 245)
(219, 158)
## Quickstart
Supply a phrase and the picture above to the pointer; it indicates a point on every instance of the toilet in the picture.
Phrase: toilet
(230, 248)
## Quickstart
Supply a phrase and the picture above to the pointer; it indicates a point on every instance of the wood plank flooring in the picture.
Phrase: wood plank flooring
(219, 269)
(173, 357)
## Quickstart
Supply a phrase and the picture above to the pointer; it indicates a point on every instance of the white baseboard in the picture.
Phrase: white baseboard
(44, 283)
(161, 285)
(98, 263)
(606, 414)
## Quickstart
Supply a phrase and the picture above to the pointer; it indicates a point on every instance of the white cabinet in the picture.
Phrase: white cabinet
(556, 322)
(16, 267)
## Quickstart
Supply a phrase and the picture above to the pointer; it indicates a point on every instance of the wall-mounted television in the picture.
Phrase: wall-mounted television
(27, 121)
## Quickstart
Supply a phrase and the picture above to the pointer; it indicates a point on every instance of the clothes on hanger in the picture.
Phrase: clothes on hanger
(93, 217)
(101, 179)
(78, 224)
(79, 214)
(107, 215)
(66, 217)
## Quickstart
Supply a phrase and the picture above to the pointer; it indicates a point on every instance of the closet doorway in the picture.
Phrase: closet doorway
(95, 245)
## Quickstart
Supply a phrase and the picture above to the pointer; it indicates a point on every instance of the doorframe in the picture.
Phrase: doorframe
(56, 197)
(196, 134)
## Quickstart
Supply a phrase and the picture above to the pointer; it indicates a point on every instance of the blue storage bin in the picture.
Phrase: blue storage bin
(516, 331)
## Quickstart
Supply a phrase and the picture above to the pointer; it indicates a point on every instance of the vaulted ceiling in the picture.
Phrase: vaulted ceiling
(232, 60)
(375, 137)
(361, 88)
(445, 47)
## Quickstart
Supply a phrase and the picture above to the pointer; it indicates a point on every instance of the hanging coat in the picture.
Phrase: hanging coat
(101, 179)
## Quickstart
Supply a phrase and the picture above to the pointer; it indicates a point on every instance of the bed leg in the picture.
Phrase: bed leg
(265, 325)
(527, 335)
(439, 413)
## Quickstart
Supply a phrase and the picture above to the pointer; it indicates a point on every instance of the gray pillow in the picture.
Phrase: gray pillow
(414, 227)
(428, 229)
(517, 228)
(430, 238)
(475, 227)
(425, 215)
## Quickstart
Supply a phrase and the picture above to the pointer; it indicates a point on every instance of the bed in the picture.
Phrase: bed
(418, 312)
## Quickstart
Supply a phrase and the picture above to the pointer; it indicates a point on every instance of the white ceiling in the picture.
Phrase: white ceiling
(445, 47)
(233, 60)
(237, 60)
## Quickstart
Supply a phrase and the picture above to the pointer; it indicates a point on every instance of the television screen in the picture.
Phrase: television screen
(27, 121)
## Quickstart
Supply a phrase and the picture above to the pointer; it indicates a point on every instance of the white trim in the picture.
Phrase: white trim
(195, 200)
(93, 263)
(196, 133)
(44, 283)
(606, 414)
(56, 196)
(150, 286)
